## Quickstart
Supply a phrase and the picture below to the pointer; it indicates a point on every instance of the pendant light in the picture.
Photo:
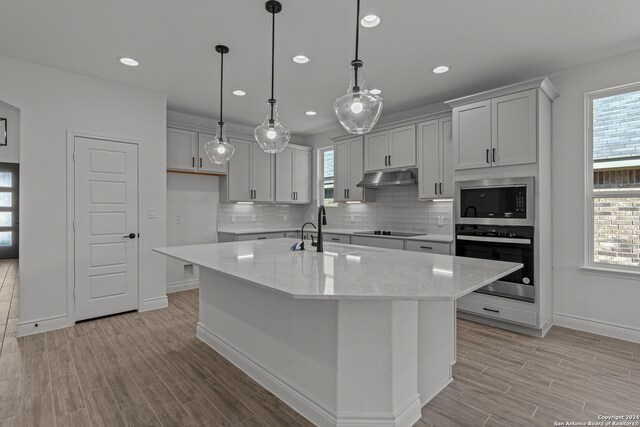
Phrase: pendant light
(219, 150)
(358, 110)
(271, 135)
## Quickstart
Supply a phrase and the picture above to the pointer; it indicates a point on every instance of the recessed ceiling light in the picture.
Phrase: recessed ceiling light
(301, 59)
(375, 91)
(370, 21)
(239, 92)
(311, 113)
(441, 69)
(128, 61)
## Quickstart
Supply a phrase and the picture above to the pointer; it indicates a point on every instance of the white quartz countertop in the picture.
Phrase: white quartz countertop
(347, 232)
(344, 271)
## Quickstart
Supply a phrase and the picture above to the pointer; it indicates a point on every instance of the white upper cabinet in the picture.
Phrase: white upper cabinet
(250, 177)
(204, 164)
(435, 159)
(496, 132)
(181, 149)
(472, 135)
(390, 149)
(293, 175)
(239, 174)
(514, 128)
(262, 176)
(349, 171)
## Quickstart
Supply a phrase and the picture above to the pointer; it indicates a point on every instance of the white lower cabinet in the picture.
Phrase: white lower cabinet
(499, 308)
(428, 247)
(378, 242)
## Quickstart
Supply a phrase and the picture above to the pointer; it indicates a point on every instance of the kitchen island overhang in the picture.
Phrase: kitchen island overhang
(351, 336)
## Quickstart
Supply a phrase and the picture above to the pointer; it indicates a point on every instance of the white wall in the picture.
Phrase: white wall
(11, 152)
(51, 102)
(195, 199)
(599, 303)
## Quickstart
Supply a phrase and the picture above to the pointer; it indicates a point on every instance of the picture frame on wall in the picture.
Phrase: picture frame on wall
(3, 131)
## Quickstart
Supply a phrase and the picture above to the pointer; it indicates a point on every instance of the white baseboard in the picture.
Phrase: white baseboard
(43, 325)
(182, 286)
(308, 406)
(154, 303)
(596, 327)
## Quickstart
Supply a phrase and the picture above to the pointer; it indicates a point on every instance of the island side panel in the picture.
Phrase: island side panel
(436, 347)
(287, 345)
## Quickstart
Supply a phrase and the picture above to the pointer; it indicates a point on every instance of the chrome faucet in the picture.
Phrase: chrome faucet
(322, 220)
(302, 234)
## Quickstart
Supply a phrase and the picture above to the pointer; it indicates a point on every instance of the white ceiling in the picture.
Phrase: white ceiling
(486, 43)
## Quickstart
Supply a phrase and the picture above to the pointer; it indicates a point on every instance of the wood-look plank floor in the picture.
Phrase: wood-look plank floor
(148, 369)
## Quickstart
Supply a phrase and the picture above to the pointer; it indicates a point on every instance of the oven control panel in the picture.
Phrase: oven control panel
(515, 232)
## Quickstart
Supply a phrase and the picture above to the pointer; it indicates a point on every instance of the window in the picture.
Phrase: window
(613, 185)
(327, 177)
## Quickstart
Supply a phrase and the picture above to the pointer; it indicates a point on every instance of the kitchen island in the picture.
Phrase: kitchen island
(353, 336)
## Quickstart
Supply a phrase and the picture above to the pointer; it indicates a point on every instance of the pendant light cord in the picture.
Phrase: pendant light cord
(357, 28)
(356, 62)
(273, 47)
(220, 123)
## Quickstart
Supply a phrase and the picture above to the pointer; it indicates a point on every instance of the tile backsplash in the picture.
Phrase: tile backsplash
(395, 208)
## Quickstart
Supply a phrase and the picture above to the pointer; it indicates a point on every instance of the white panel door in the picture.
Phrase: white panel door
(513, 125)
(203, 163)
(262, 174)
(284, 175)
(472, 135)
(428, 161)
(341, 171)
(356, 169)
(181, 149)
(376, 150)
(106, 227)
(239, 173)
(446, 158)
(402, 147)
(302, 175)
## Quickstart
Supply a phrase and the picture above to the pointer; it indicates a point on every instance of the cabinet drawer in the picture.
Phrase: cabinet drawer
(336, 238)
(259, 236)
(428, 247)
(292, 234)
(498, 311)
(378, 242)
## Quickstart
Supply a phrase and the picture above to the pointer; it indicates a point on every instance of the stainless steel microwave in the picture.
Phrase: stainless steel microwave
(499, 201)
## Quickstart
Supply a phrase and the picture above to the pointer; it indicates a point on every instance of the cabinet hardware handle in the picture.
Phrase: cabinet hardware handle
(335, 238)
(296, 193)
(488, 156)
(193, 162)
(426, 247)
(385, 160)
(435, 188)
(389, 159)
(262, 238)
(440, 188)
(494, 155)
(255, 194)
(491, 310)
(200, 161)
(348, 193)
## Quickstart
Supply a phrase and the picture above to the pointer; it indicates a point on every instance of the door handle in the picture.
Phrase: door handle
(494, 155)
(130, 236)
(488, 156)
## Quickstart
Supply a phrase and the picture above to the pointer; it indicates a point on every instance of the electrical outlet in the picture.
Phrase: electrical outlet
(178, 219)
(440, 220)
(353, 218)
(253, 217)
(284, 217)
(313, 217)
(232, 218)
(187, 270)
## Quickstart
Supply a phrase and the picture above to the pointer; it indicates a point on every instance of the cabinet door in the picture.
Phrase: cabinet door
(402, 147)
(262, 174)
(238, 176)
(204, 164)
(376, 150)
(341, 178)
(302, 175)
(428, 160)
(446, 158)
(472, 135)
(181, 149)
(284, 175)
(356, 169)
(513, 128)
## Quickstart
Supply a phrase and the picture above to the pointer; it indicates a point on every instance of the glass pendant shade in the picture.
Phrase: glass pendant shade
(271, 135)
(358, 110)
(219, 150)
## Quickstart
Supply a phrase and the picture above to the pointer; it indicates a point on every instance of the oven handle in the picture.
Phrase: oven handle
(495, 239)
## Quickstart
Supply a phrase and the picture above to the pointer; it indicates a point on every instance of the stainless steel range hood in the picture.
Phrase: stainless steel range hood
(389, 178)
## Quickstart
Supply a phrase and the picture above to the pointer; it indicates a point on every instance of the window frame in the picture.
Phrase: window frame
(591, 195)
(321, 177)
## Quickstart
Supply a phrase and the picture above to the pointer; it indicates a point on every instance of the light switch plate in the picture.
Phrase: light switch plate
(353, 218)
(284, 217)
(253, 217)
(232, 218)
(179, 219)
(440, 220)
